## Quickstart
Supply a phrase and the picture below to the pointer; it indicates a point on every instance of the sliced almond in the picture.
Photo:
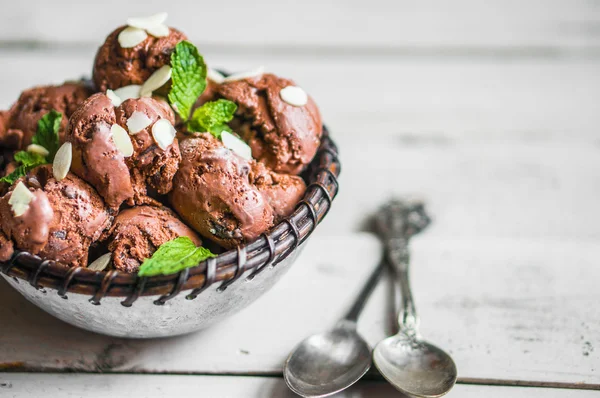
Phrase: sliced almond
(160, 30)
(20, 199)
(163, 133)
(40, 150)
(114, 98)
(128, 92)
(100, 263)
(215, 76)
(62, 161)
(245, 75)
(236, 145)
(156, 81)
(121, 140)
(149, 21)
(294, 95)
(138, 122)
(131, 37)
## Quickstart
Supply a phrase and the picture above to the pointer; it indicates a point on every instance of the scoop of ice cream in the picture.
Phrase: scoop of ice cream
(225, 197)
(139, 231)
(6, 247)
(98, 160)
(61, 221)
(282, 191)
(116, 66)
(285, 137)
(19, 124)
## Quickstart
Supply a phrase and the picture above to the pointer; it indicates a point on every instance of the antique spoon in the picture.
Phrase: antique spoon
(412, 365)
(330, 362)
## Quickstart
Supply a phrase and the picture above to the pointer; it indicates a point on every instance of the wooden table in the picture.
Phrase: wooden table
(488, 110)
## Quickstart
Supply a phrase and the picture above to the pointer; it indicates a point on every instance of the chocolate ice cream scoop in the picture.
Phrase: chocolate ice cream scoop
(139, 231)
(225, 197)
(6, 247)
(283, 136)
(19, 124)
(116, 66)
(124, 173)
(61, 221)
(282, 191)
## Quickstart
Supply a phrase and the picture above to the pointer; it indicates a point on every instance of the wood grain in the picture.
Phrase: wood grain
(488, 110)
(147, 386)
(465, 26)
(505, 309)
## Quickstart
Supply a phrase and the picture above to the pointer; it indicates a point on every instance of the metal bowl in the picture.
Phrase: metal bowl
(124, 305)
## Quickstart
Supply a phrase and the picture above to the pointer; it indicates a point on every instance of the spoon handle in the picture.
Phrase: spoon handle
(398, 256)
(397, 222)
(364, 294)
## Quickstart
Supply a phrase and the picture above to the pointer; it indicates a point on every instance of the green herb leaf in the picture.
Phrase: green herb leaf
(28, 161)
(188, 78)
(47, 133)
(213, 117)
(174, 256)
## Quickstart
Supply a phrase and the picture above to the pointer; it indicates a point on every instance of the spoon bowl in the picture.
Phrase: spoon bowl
(327, 363)
(415, 367)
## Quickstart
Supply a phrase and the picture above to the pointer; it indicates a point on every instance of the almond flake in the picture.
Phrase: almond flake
(215, 76)
(236, 145)
(62, 161)
(121, 140)
(163, 133)
(147, 22)
(294, 95)
(131, 37)
(100, 263)
(245, 75)
(160, 30)
(138, 122)
(128, 92)
(20, 199)
(40, 150)
(156, 81)
(114, 98)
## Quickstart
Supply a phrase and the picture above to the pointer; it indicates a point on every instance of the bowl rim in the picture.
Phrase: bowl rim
(262, 253)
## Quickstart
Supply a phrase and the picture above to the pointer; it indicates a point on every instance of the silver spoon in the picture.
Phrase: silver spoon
(412, 365)
(330, 362)
(327, 363)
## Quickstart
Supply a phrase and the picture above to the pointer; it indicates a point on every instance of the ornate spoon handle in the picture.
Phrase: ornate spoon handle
(397, 221)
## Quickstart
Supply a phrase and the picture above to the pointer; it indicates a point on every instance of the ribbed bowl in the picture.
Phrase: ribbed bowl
(124, 305)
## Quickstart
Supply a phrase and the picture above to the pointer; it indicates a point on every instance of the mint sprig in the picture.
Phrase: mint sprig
(46, 136)
(174, 256)
(47, 133)
(212, 117)
(188, 78)
(28, 161)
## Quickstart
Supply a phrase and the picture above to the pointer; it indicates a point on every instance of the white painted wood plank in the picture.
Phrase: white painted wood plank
(410, 101)
(21, 385)
(498, 149)
(507, 310)
(385, 24)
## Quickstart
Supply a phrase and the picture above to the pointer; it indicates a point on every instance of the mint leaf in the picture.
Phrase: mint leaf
(47, 133)
(188, 78)
(213, 117)
(28, 161)
(174, 256)
(15, 175)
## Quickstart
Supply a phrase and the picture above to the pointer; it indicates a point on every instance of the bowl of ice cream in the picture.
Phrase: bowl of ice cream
(161, 196)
